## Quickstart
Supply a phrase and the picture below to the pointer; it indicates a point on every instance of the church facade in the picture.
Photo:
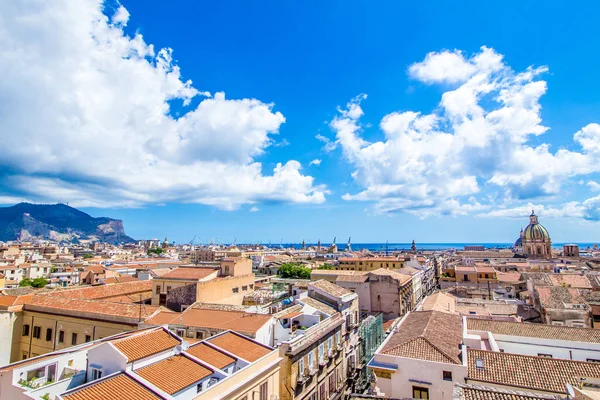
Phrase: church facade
(534, 240)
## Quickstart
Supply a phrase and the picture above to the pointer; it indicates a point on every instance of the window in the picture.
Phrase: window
(24, 356)
(157, 289)
(96, 374)
(180, 332)
(235, 290)
(199, 388)
(244, 288)
(73, 339)
(322, 392)
(321, 351)
(332, 382)
(25, 330)
(37, 332)
(330, 343)
(338, 337)
(544, 355)
(447, 375)
(61, 336)
(88, 338)
(264, 391)
(252, 286)
(594, 360)
(479, 364)
(199, 335)
(420, 392)
(49, 335)
(301, 367)
(168, 289)
(311, 360)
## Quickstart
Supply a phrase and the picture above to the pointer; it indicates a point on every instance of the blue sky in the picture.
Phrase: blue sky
(429, 121)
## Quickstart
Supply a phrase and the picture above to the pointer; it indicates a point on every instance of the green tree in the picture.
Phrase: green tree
(25, 282)
(39, 283)
(326, 266)
(294, 271)
(157, 250)
(87, 256)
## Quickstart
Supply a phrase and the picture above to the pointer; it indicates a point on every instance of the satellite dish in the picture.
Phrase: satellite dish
(570, 391)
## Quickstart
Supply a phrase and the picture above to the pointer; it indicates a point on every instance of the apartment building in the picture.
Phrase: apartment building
(369, 263)
(183, 286)
(148, 364)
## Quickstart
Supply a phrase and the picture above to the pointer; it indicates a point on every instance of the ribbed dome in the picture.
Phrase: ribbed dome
(519, 242)
(535, 232)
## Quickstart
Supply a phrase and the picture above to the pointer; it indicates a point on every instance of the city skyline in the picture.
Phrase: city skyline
(388, 122)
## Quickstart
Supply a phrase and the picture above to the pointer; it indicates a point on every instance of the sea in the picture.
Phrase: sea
(425, 246)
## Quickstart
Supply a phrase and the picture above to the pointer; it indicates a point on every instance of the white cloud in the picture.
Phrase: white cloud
(254, 209)
(329, 145)
(588, 209)
(473, 152)
(316, 162)
(594, 186)
(88, 118)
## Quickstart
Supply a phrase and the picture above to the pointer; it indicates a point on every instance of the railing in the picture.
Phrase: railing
(314, 333)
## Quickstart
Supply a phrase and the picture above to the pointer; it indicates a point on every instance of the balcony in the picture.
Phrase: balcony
(314, 334)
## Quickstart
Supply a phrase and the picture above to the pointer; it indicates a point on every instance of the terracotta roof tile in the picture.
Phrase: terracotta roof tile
(145, 344)
(529, 372)
(476, 392)
(174, 374)
(559, 296)
(240, 346)
(239, 321)
(330, 288)
(118, 387)
(571, 280)
(427, 335)
(104, 291)
(162, 317)
(66, 306)
(189, 273)
(542, 331)
(211, 356)
(319, 305)
(401, 278)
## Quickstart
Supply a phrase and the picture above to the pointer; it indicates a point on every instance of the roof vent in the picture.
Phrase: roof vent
(479, 364)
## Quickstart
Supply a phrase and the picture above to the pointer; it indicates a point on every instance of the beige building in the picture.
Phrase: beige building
(369, 263)
(226, 284)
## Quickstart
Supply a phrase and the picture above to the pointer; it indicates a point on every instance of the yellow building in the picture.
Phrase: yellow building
(226, 284)
(369, 263)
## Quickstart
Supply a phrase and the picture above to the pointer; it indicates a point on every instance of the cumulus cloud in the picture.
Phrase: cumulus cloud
(316, 162)
(473, 152)
(593, 185)
(329, 145)
(254, 209)
(588, 209)
(94, 117)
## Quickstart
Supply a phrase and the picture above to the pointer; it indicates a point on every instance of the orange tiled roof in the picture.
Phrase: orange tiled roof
(427, 335)
(23, 363)
(240, 346)
(66, 306)
(145, 344)
(162, 317)
(475, 392)
(542, 331)
(189, 273)
(104, 291)
(211, 356)
(571, 280)
(224, 320)
(530, 372)
(118, 387)
(174, 374)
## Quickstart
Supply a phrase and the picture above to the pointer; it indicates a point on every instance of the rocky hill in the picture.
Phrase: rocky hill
(58, 222)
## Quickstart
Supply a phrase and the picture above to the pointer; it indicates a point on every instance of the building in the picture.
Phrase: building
(535, 240)
(149, 364)
(183, 286)
(369, 263)
(422, 358)
(571, 250)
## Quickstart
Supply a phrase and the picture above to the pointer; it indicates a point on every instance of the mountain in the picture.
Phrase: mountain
(58, 222)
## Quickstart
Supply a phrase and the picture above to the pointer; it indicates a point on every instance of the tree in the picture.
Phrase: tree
(157, 250)
(39, 283)
(294, 271)
(326, 266)
(87, 256)
(25, 282)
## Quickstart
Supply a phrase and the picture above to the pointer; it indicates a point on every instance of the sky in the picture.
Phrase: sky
(289, 121)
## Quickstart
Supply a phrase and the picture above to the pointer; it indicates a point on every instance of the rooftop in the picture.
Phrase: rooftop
(427, 335)
(174, 374)
(542, 331)
(116, 387)
(146, 344)
(529, 372)
(559, 296)
(103, 291)
(240, 346)
(210, 356)
(571, 280)
(189, 273)
(475, 392)
(330, 288)
(319, 305)
(224, 320)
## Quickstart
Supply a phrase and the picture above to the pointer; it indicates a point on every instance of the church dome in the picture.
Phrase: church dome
(535, 230)
(519, 242)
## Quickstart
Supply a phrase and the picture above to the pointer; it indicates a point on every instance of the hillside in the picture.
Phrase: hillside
(58, 222)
